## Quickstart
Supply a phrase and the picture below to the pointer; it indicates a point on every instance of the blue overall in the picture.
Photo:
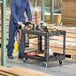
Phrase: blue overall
(18, 7)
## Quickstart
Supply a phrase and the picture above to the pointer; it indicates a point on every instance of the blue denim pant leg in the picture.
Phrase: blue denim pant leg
(12, 30)
(10, 45)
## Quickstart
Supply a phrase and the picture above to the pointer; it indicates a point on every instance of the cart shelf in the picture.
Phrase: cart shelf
(44, 56)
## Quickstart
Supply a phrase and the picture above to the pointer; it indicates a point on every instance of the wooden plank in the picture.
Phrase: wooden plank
(69, 0)
(4, 71)
(69, 13)
(54, 43)
(20, 72)
(67, 29)
(69, 47)
(68, 39)
(27, 72)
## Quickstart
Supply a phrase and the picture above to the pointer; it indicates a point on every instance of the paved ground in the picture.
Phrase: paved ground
(67, 69)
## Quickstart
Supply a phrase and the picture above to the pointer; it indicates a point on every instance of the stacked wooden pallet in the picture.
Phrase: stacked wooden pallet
(56, 42)
(36, 15)
(7, 25)
(5, 71)
(69, 12)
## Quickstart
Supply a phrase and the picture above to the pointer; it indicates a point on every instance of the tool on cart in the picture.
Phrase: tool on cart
(27, 26)
(42, 27)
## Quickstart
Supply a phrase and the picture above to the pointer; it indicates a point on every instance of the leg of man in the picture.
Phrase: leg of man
(12, 30)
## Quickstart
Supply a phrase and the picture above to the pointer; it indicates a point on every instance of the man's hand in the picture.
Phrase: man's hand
(20, 23)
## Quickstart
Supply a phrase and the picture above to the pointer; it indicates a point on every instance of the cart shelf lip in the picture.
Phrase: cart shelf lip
(31, 54)
(52, 33)
(51, 57)
(43, 55)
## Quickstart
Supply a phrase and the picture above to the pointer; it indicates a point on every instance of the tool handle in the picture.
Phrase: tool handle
(27, 24)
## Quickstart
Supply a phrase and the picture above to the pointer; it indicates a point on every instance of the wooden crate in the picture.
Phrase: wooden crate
(57, 18)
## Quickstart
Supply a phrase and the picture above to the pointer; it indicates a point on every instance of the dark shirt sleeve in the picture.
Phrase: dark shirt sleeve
(28, 12)
(13, 10)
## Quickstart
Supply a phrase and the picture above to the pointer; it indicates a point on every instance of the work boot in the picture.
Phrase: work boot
(10, 57)
(20, 57)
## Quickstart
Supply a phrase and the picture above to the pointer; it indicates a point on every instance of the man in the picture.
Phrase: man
(18, 7)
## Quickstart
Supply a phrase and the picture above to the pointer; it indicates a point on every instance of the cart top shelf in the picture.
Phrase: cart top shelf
(52, 33)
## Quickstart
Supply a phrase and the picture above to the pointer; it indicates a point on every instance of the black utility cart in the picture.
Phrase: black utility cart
(46, 57)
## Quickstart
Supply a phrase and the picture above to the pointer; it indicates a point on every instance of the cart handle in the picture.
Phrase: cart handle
(27, 24)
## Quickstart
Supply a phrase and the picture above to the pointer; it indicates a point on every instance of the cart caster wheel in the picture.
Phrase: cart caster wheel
(44, 64)
(24, 59)
(60, 62)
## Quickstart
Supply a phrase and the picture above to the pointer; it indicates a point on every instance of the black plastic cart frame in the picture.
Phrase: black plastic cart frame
(46, 58)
